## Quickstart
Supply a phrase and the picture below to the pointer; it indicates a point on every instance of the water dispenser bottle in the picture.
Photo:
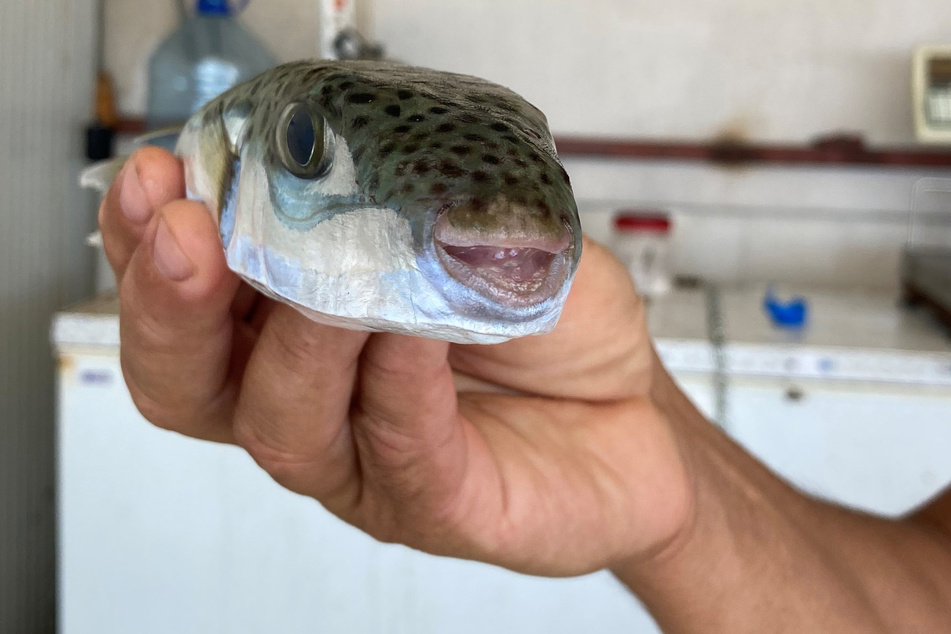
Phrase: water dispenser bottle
(207, 55)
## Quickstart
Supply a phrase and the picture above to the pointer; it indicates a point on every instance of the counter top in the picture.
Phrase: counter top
(851, 335)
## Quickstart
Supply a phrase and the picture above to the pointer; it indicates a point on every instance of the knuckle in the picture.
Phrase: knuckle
(159, 415)
(282, 464)
(295, 349)
(301, 346)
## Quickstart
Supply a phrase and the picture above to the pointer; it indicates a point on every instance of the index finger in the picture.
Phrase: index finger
(150, 179)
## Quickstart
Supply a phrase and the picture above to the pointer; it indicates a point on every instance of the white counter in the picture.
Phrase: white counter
(159, 533)
(853, 335)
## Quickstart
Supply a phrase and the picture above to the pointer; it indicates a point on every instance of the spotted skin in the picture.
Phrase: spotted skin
(421, 139)
(426, 145)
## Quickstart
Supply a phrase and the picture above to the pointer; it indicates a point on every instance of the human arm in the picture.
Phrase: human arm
(554, 455)
(760, 556)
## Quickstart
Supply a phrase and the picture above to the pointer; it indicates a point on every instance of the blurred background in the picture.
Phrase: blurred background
(776, 176)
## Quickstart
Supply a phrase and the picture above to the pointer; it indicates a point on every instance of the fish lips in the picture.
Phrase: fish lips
(516, 271)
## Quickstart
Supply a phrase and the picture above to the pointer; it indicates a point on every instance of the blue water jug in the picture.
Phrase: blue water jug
(208, 54)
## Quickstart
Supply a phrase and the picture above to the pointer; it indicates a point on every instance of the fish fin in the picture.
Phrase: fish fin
(166, 137)
(94, 240)
(100, 176)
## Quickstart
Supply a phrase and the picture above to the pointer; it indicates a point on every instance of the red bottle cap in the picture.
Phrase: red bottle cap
(642, 221)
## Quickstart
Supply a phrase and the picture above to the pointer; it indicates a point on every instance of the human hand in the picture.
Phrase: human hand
(544, 455)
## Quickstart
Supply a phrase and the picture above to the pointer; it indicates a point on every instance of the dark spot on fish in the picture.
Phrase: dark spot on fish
(393, 111)
(535, 158)
(492, 145)
(422, 168)
(419, 136)
(450, 170)
(480, 176)
(359, 122)
(446, 128)
(521, 163)
(491, 159)
(408, 188)
(438, 110)
(435, 145)
(345, 85)
(545, 178)
(387, 149)
(461, 150)
(404, 95)
(361, 97)
(510, 180)
(513, 152)
(438, 188)
(500, 127)
(510, 138)
(417, 118)
(411, 149)
(476, 138)
(402, 129)
(325, 91)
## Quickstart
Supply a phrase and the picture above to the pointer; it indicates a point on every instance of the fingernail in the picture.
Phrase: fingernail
(168, 256)
(132, 199)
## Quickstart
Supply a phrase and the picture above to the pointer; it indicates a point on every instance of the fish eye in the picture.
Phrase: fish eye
(302, 143)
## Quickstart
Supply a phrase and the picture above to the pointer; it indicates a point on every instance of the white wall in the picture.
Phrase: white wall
(770, 70)
(766, 69)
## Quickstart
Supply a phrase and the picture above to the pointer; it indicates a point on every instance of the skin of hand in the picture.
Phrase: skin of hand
(543, 455)
(554, 455)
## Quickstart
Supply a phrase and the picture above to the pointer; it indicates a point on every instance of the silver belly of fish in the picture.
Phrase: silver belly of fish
(381, 197)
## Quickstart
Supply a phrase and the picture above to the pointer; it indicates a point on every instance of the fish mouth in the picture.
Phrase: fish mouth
(515, 269)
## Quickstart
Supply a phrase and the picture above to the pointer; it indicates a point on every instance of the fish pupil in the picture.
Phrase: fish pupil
(301, 137)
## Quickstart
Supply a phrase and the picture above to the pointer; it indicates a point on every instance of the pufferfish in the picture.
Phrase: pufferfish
(380, 197)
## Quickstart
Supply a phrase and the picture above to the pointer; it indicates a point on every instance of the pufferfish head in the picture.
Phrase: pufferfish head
(468, 166)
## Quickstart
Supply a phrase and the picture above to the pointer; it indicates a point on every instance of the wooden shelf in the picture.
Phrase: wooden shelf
(834, 150)
(841, 150)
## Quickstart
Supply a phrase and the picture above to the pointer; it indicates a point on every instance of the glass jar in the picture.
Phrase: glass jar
(641, 241)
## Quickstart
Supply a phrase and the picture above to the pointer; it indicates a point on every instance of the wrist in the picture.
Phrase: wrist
(678, 414)
(751, 548)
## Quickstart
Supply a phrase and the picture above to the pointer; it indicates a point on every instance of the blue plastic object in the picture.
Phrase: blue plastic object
(791, 314)
(213, 7)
